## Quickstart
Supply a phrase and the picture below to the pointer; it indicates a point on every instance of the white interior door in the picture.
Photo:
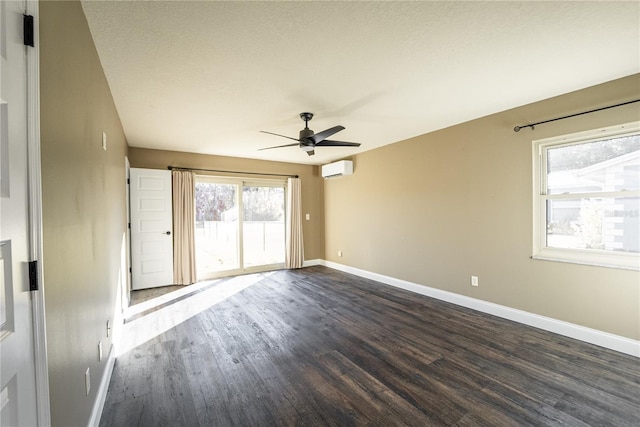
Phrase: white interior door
(151, 228)
(17, 371)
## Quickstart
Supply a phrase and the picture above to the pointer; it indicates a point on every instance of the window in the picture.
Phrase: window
(587, 197)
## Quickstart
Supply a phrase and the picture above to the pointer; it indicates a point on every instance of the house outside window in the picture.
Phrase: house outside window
(587, 197)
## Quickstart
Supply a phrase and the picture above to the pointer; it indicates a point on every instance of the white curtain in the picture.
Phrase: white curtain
(295, 247)
(184, 248)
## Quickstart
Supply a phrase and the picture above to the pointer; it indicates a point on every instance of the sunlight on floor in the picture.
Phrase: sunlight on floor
(149, 326)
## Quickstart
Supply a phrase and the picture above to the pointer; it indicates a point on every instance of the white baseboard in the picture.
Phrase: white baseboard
(101, 396)
(592, 336)
(312, 262)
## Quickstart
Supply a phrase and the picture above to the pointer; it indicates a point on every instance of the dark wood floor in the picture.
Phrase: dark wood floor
(320, 347)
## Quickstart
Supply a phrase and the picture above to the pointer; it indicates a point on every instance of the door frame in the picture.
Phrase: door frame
(126, 291)
(35, 218)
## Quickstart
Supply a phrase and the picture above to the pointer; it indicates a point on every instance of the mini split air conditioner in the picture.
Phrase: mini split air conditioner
(343, 167)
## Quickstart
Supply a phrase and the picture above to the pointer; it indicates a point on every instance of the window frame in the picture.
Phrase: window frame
(594, 257)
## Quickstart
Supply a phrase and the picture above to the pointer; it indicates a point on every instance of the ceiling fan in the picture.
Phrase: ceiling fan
(308, 140)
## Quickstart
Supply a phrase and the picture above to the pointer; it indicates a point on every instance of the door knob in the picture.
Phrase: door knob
(167, 233)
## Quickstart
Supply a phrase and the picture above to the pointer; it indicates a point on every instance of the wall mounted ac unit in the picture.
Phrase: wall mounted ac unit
(343, 167)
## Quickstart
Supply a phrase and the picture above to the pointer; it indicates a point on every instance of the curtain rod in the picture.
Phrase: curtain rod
(223, 171)
(517, 128)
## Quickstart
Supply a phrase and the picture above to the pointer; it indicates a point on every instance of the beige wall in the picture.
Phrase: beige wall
(84, 213)
(441, 207)
(312, 186)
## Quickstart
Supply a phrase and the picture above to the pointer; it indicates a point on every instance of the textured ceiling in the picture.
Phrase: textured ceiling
(207, 76)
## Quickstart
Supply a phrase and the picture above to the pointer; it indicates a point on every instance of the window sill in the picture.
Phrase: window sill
(628, 263)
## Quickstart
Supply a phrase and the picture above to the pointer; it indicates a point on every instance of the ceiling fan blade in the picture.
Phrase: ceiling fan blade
(329, 143)
(277, 134)
(311, 153)
(280, 146)
(320, 136)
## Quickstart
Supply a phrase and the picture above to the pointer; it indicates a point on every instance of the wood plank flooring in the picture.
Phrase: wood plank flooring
(316, 347)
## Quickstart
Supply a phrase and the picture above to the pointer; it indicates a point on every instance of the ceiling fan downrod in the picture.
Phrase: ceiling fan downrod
(306, 117)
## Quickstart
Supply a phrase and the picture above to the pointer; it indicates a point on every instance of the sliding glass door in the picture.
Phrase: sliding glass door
(239, 226)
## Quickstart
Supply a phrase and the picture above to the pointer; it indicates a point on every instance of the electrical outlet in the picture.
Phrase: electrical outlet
(99, 351)
(474, 280)
(87, 381)
(339, 253)
(108, 328)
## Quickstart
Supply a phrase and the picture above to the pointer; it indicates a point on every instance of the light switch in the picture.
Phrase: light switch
(308, 217)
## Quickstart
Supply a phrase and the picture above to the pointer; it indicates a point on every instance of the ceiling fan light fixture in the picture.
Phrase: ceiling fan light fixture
(307, 147)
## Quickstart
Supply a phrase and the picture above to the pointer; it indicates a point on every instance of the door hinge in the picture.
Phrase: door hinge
(128, 181)
(33, 275)
(129, 224)
(129, 269)
(27, 21)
